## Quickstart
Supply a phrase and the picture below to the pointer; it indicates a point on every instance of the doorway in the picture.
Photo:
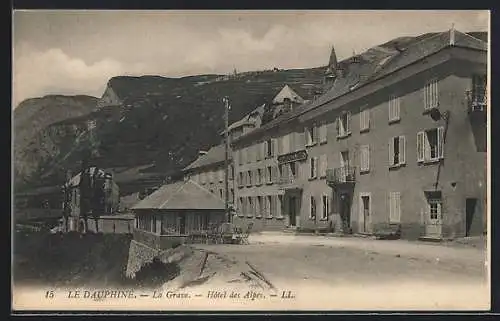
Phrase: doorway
(433, 228)
(365, 209)
(470, 210)
(292, 210)
(345, 211)
(182, 224)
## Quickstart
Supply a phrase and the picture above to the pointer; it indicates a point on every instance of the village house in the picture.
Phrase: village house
(109, 205)
(208, 170)
(397, 142)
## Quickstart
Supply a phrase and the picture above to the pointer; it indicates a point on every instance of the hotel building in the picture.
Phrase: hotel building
(396, 142)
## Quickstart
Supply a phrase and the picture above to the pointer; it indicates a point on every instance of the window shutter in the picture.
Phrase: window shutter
(324, 135)
(426, 99)
(402, 150)
(348, 126)
(397, 207)
(337, 125)
(362, 120)
(315, 166)
(265, 148)
(323, 162)
(391, 207)
(391, 151)
(420, 146)
(397, 107)
(315, 134)
(440, 145)
(258, 152)
(300, 140)
(273, 146)
(307, 136)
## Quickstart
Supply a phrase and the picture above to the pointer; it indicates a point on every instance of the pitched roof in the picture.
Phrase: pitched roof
(75, 180)
(215, 154)
(380, 61)
(184, 195)
(287, 92)
(257, 112)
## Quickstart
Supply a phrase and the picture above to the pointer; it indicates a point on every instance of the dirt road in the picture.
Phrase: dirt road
(432, 275)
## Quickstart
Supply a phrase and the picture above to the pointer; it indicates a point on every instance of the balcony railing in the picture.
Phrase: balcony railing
(341, 175)
(476, 103)
(155, 241)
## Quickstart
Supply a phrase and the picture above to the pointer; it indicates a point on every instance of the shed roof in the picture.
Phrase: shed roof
(185, 195)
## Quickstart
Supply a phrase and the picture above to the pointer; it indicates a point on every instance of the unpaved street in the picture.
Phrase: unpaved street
(399, 269)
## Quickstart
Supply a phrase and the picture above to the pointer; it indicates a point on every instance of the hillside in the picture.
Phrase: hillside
(32, 117)
(162, 122)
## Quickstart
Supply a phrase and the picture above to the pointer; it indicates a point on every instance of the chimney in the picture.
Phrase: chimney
(452, 35)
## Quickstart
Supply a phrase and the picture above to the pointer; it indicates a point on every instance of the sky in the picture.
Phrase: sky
(77, 52)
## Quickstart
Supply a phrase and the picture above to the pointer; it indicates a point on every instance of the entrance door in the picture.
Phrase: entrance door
(182, 224)
(433, 228)
(470, 209)
(292, 210)
(345, 211)
(365, 212)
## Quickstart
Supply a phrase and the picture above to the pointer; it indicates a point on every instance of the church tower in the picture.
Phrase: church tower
(331, 71)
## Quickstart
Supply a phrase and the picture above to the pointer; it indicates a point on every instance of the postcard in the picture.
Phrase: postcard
(251, 160)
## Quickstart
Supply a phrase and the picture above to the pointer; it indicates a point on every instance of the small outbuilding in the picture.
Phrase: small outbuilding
(174, 212)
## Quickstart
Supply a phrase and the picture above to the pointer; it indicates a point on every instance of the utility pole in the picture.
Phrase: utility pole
(226, 159)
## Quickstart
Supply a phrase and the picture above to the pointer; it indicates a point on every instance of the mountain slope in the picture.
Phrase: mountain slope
(160, 121)
(32, 117)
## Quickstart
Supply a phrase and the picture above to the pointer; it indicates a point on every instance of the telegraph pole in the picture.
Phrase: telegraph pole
(226, 159)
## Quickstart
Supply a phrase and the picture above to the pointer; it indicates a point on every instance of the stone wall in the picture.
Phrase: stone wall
(138, 255)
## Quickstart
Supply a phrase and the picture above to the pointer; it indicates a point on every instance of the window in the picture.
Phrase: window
(231, 195)
(293, 169)
(278, 201)
(251, 207)
(258, 206)
(394, 109)
(430, 145)
(269, 148)
(364, 156)
(221, 193)
(249, 176)
(269, 206)
(394, 207)
(259, 176)
(326, 207)
(435, 205)
(323, 163)
(397, 151)
(211, 176)
(479, 97)
(313, 164)
(203, 178)
(231, 172)
(221, 175)
(312, 209)
(323, 134)
(364, 120)
(212, 191)
(431, 95)
(241, 179)
(311, 135)
(343, 124)
(269, 175)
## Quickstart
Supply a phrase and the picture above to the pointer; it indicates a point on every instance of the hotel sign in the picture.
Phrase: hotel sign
(292, 157)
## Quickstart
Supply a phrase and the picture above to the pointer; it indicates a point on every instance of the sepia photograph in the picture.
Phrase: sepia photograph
(250, 160)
